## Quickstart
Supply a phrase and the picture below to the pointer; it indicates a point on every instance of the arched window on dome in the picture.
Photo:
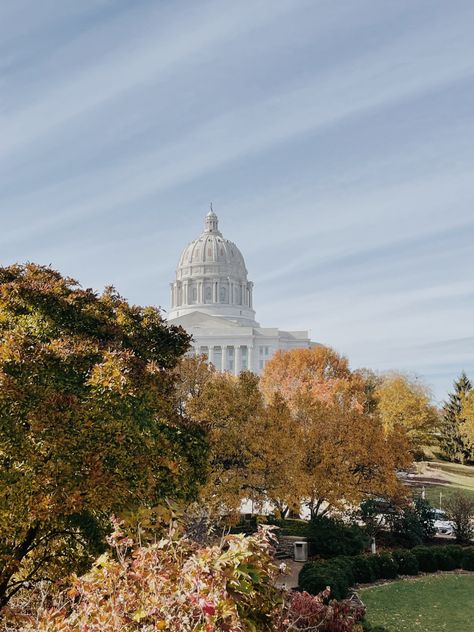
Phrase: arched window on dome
(208, 294)
(195, 294)
(223, 294)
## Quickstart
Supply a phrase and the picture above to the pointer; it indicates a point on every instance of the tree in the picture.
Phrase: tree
(460, 509)
(254, 453)
(318, 373)
(344, 453)
(88, 422)
(454, 441)
(407, 403)
(467, 427)
(347, 456)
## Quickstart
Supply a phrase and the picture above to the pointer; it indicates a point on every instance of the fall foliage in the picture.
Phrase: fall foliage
(318, 373)
(177, 586)
(253, 453)
(406, 403)
(313, 441)
(88, 424)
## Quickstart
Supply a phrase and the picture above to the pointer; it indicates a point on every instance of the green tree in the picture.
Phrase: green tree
(455, 445)
(88, 421)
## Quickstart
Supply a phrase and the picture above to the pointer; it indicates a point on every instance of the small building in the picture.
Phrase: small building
(212, 299)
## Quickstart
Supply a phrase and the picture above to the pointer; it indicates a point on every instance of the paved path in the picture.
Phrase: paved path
(290, 580)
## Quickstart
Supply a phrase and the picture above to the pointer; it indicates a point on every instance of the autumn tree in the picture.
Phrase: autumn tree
(406, 403)
(318, 373)
(253, 452)
(88, 421)
(346, 455)
(455, 439)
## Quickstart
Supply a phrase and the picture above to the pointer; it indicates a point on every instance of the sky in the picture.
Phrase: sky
(335, 140)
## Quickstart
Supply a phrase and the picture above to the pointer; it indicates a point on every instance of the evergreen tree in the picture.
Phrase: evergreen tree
(455, 446)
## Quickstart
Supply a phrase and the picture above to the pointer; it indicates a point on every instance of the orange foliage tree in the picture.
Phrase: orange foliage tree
(344, 453)
(318, 373)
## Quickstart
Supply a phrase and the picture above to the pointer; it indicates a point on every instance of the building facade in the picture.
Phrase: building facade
(212, 299)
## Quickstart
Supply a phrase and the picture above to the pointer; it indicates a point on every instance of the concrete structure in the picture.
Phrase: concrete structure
(212, 299)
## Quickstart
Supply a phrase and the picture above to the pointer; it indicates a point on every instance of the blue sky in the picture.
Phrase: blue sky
(334, 138)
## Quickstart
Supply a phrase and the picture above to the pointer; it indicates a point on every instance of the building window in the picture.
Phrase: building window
(222, 294)
(195, 294)
(208, 294)
(261, 363)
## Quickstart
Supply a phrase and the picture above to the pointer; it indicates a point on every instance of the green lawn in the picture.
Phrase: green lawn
(438, 476)
(428, 604)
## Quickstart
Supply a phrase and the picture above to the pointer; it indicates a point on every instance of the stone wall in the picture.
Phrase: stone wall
(285, 547)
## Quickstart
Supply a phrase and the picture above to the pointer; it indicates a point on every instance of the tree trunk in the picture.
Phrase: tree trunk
(12, 565)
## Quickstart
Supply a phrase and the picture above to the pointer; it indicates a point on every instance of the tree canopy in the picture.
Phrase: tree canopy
(457, 436)
(406, 403)
(88, 422)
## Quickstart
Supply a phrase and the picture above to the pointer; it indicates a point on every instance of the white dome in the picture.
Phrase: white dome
(211, 277)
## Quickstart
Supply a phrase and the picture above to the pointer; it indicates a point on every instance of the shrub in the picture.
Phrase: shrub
(307, 612)
(426, 557)
(172, 585)
(460, 509)
(290, 526)
(374, 562)
(415, 524)
(330, 537)
(315, 577)
(387, 565)
(468, 559)
(457, 553)
(363, 569)
(407, 562)
(444, 559)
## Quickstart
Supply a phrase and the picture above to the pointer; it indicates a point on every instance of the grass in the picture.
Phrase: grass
(445, 478)
(432, 603)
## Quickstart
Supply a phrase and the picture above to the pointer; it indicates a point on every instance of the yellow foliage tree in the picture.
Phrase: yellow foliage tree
(468, 414)
(346, 456)
(404, 402)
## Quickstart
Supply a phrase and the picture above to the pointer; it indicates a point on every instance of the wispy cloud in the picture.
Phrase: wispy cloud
(334, 139)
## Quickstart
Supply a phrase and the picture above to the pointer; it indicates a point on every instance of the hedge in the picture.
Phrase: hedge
(340, 573)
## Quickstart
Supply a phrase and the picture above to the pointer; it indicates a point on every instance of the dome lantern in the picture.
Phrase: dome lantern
(211, 224)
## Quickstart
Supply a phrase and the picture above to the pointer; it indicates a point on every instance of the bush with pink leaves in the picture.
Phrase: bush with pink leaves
(179, 586)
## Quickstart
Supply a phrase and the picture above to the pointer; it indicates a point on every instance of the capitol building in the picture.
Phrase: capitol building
(212, 299)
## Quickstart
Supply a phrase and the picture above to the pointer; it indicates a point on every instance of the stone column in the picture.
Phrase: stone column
(210, 354)
(214, 291)
(224, 358)
(250, 358)
(237, 359)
